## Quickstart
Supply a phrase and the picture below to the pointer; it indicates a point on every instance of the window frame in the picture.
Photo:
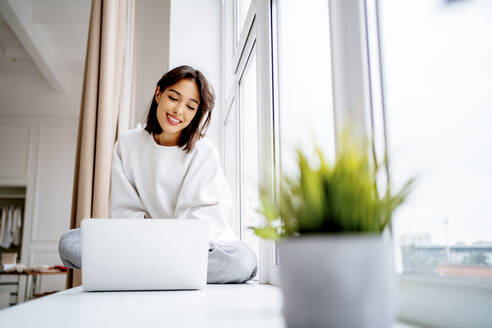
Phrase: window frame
(268, 118)
(234, 68)
(243, 67)
(232, 108)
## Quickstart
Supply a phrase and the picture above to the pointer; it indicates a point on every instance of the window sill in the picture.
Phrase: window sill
(445, 301)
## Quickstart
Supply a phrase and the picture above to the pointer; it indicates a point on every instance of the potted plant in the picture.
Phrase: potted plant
(335, 250)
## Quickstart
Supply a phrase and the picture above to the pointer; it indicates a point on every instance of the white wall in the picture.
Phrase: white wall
(171, 33)
(38, 152)
(195, 39)
(151, 51)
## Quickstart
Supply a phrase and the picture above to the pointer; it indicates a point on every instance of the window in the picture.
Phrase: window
(422, 93)
(430, 78)
(438, 82)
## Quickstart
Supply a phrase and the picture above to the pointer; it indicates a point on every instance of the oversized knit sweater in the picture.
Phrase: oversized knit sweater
(153, 181)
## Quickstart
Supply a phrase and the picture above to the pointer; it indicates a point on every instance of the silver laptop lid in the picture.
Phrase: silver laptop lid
(140, 254)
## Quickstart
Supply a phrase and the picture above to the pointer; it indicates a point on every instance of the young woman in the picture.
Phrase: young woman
(170, 169)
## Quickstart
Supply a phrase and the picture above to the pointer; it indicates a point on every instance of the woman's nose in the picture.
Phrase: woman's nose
(179, 109)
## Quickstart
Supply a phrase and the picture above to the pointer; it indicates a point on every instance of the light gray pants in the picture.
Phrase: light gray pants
(228, 262)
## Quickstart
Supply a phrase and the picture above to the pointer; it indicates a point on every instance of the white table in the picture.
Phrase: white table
(247, 305)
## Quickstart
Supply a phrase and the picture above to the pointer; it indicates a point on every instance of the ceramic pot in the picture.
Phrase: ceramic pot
(338, 281)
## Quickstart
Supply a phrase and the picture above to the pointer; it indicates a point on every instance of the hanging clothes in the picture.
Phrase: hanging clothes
(3, 222)
(16, 228)
(8, 236)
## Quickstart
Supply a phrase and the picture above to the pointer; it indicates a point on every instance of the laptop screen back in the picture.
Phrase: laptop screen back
(144, 254)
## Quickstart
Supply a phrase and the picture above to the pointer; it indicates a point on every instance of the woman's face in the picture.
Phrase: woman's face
(177, 106)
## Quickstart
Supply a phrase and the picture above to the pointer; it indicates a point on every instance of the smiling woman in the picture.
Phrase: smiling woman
(171, 170)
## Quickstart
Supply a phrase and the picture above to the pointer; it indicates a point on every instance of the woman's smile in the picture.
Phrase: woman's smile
(173, 120)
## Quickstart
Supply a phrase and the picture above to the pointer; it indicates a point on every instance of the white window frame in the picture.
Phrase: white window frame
(267, 154)
(243, 65)
(250, 38)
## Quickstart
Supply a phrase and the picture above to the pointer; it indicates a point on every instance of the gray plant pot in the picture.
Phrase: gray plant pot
(338, 281)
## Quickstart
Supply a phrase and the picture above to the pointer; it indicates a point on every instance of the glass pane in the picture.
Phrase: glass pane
(242, 12)
(438, 79)
(305, 105)
(249, 153)
(231, 163)
(305, 108)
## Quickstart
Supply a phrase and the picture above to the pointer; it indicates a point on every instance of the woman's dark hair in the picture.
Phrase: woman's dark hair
(197, 127)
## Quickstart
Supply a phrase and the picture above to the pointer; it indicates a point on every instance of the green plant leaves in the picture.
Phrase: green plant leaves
(267, 232)
(333, 198)
(312, 193)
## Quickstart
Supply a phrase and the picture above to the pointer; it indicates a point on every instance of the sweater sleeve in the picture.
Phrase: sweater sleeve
(125, 201)
(205, 195)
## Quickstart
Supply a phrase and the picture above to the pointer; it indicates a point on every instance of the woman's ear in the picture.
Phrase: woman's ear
(157, 94)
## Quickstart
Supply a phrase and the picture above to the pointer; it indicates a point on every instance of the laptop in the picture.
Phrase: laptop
(144, 254)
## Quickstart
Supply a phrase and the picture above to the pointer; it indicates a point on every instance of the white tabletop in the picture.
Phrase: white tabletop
(246, 305)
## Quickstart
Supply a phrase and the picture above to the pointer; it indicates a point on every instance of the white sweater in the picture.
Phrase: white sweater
(153, 181)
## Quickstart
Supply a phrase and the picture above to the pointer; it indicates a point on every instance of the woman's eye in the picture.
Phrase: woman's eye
(190, 107)
(173, 99)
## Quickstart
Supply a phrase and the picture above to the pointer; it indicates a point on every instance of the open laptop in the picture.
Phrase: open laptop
(144, 254)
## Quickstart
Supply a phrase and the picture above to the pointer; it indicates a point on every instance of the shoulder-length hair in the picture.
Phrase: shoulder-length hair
(197, 127)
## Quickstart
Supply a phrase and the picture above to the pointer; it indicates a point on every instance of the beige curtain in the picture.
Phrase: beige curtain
(105, 109)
